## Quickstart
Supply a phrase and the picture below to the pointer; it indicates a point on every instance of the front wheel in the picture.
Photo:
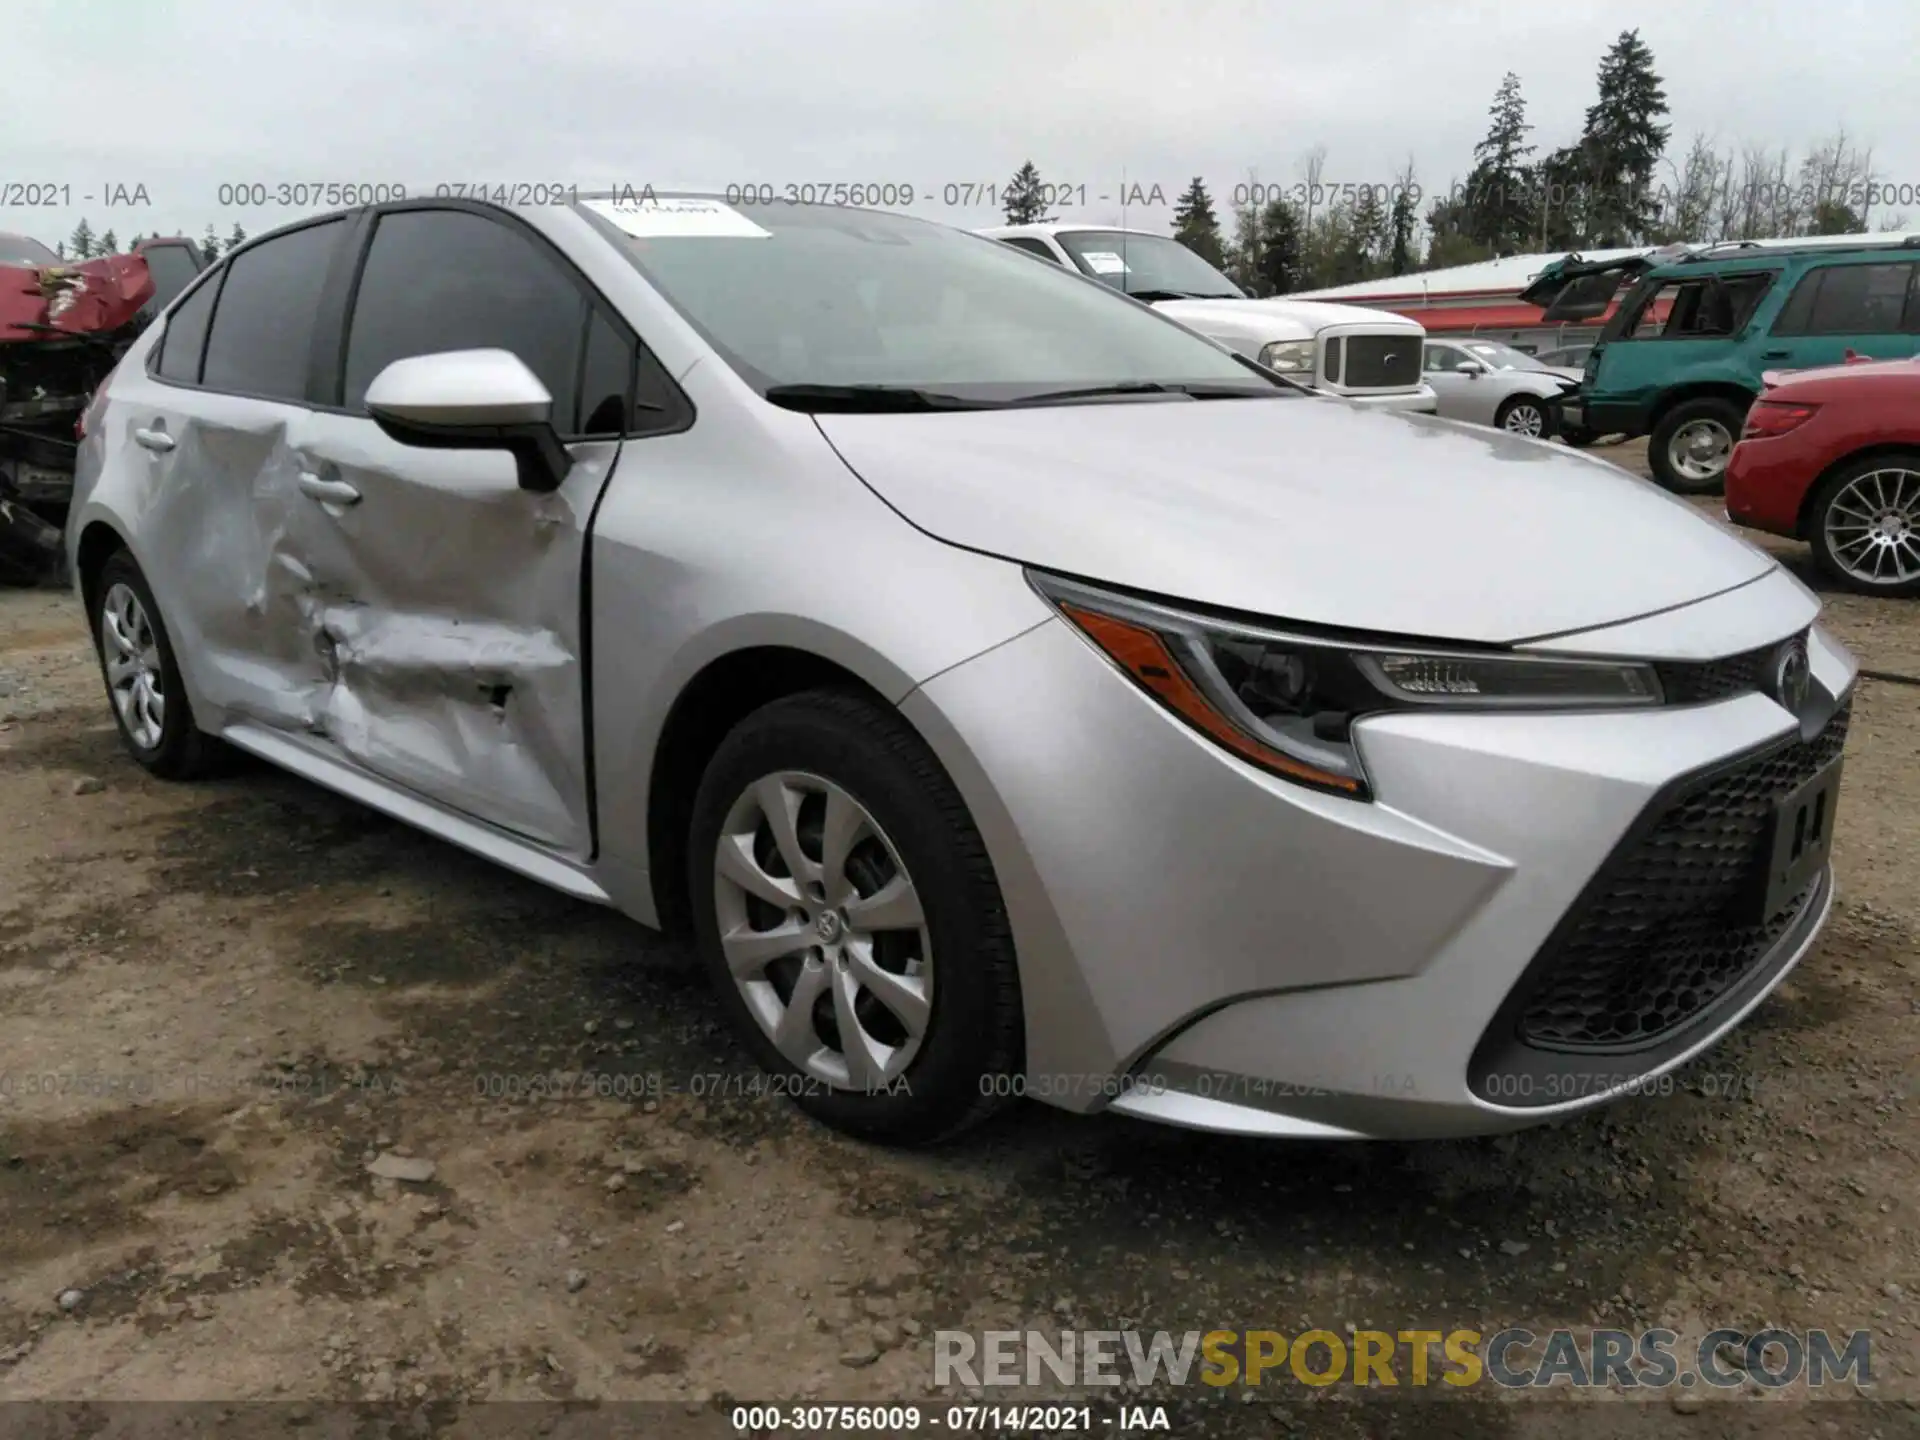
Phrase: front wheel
(1688, 449)
(1526, 415)
(1864, 525)
(851, 922)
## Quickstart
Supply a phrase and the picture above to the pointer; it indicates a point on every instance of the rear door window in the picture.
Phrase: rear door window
(262, 335)
(1851, 300)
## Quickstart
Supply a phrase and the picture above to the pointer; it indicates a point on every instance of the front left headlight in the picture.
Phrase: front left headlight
(1289, 357)
(1288, 701)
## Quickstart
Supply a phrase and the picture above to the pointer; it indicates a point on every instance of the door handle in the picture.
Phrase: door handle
(331, 492)
(1775, 354)
(155, 439)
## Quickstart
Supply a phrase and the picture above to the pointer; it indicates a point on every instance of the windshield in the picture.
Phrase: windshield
(1141, 264)
(823, 296)
(19, 250)
(1500, 357)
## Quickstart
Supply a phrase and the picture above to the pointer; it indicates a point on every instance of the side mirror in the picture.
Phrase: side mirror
(1472, 368)
(473, 400)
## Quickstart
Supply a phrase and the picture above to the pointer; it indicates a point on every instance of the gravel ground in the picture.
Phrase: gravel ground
(246, 990)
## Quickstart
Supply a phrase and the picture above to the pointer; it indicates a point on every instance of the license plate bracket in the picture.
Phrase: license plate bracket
(1800, 841)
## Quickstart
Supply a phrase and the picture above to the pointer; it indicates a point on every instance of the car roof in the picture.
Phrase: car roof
(1756, 257)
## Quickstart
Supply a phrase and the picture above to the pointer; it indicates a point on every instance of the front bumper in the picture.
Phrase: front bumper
(1204, 944)
(1420, 401)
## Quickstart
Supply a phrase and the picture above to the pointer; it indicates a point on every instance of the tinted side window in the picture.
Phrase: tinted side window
(452, 280)
(185, 340)
(1848, 300)
(263, 323)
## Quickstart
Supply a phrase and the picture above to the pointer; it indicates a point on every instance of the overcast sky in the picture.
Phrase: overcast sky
(183, 96)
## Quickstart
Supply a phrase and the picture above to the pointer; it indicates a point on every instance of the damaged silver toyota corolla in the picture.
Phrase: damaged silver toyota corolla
(1014, 692)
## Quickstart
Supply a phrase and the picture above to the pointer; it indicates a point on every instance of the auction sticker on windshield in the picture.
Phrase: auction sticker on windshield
(1104, 262)
(671, 217)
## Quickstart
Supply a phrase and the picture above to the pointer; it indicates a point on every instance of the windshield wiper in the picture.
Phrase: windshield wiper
(1149, 387)
(868, 399)
(1151, 295)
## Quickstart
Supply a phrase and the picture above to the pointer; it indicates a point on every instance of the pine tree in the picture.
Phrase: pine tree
(210, 244)
(1622, 142)
(1195, 226)
(79, 245)
(1401, 224)
(1497, 201)
(107, 245)
(235, 238)
(1367, 237)
(1282, 251)
(1025, 197)
(1243, 252)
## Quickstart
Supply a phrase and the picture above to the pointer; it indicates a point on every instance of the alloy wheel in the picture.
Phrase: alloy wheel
(1698, 450)
(823, 931)
(1873, 527)
(134, 674)
(1525, 419)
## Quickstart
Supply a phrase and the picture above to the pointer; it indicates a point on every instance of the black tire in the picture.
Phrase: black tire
(183, 751)
(1712, 408)
(1549, 419)
(1822, 501)
(973, 1041)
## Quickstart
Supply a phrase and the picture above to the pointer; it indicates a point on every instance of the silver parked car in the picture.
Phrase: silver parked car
(974, 661)
(1490, 383)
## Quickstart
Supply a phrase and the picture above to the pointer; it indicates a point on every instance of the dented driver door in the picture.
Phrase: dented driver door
(448, 624)
(449, 601)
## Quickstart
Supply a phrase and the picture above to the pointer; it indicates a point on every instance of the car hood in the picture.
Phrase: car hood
(1308, 510)
(1280, 318)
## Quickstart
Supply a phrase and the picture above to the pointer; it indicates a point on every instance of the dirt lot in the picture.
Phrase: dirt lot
(220, 1002)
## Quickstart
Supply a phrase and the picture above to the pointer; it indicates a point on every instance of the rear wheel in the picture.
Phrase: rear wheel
(850, 920)
(1689, 447)
(149, 703)
(1864, 525)
(1526, 415)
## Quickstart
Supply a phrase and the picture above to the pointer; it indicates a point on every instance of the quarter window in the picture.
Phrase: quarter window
(262, 335)
(184, 341)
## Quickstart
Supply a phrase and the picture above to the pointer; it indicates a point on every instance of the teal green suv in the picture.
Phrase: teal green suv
(1683, 355)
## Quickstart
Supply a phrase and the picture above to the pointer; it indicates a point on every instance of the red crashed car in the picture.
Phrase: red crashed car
(1832, 457)
(63, 326)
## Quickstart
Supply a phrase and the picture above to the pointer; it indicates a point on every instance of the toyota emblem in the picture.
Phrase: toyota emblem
(1792, 674)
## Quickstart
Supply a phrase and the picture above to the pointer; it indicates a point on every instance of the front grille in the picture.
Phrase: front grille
(1377, 362)
(1653, 943)
(1695, 682)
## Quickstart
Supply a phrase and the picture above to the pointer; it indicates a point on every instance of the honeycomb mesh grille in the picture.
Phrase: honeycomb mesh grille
(1698, 682)
(1651, 945)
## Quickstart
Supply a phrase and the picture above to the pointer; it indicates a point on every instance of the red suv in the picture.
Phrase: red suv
(1832, 456)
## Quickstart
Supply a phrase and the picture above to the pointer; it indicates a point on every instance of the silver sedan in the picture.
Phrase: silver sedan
(1488, 383)
(973, 662)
